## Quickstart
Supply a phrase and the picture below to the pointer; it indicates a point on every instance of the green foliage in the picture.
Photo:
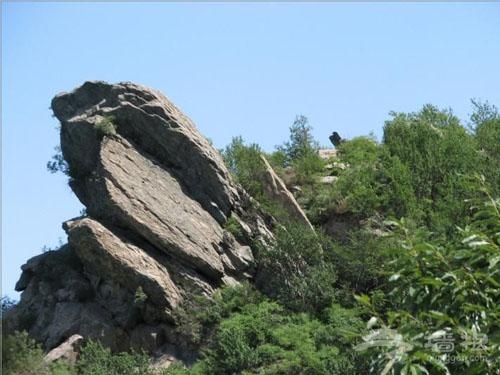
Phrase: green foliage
(234, 227)
(57, 163)
(7, 304)
(263, 338)
(483, 112)
(440, 154)
(446, 287)
(486, 127)
(375, 181)
(301, 143)
(294, 270)
(197, 317)
(140, 296)
(245, 163)
(21, 355)
(361, 261)
(107, 126)
(96, 360)
(307, 168)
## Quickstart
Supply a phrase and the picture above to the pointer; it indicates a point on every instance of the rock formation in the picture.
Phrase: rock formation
(157, 197)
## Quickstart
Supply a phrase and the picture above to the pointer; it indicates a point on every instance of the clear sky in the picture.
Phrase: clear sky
(235, 69)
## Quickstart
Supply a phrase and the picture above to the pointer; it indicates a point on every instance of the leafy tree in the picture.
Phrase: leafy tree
(57, 163)
(245, 163)
(7, 304)
(486, 127)
(301, 142)
(440, 154)
(375, 182)
(445, 287)
(21, 355)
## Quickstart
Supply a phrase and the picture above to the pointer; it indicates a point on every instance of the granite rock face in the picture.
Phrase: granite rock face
(157, 197)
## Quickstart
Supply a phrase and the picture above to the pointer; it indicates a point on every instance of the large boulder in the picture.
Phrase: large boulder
(157, 196)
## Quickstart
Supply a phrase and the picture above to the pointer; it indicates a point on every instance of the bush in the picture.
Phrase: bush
(294, 270)
(245, 163)
(445, 287)
(21, 355)
(375, 182)
(96, 360)
(198, 316)
(234, 227)
(106, 126)
(486, 127)
(301, 143)
(265, 338)
(7, 304)
(57, 163)
(440, 154)
(307, 168)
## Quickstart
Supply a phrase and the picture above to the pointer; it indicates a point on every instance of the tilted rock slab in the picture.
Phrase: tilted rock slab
(157, 195)
(276, 191)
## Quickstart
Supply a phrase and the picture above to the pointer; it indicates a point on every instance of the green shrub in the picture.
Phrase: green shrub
(375, 182)
(198, 316)
(265, 338)
(140, 296)
(301, 142)
(96, 360)
(307, 168)
(361, 261)
(294, 270)
(234, 227)
(449, 286)
(440, 153)
(107, 126)
(486, 127)
(21, 355)
(7, 304)
(57, 163)
(245, 163)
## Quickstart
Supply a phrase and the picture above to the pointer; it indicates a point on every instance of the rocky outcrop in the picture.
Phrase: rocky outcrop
(157, 196)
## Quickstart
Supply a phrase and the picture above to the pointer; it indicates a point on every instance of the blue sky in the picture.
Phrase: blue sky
(236, 69)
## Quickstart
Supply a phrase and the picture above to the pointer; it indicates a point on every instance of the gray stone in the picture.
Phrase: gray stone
(329, 179)
(68, 350)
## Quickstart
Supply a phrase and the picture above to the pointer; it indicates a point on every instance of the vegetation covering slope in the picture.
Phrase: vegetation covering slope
(409, 285)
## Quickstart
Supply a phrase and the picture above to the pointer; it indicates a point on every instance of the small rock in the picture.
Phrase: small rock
(68, 350)
(327, 153)
(329, 179)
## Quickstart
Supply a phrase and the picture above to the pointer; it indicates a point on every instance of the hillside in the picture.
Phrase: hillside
(367, 257)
